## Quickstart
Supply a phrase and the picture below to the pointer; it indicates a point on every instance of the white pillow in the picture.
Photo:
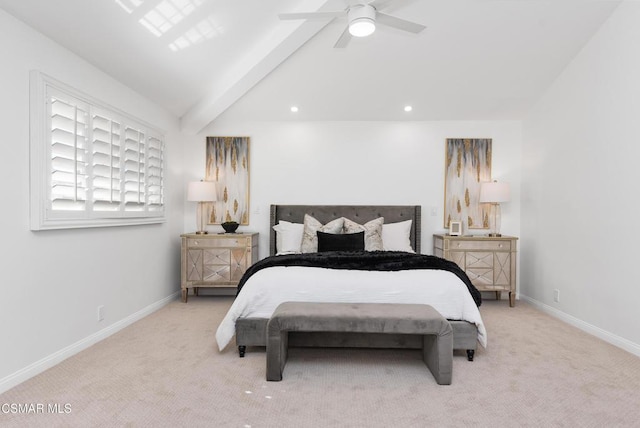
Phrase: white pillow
(396, 236)
(372, 232)
(288, 237)
(312, 226)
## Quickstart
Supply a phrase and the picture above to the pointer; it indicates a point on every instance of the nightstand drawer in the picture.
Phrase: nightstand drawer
(216, 256)
(480, 277)
(241, 241)
(216, 273)
(480, 244)
(479, 260)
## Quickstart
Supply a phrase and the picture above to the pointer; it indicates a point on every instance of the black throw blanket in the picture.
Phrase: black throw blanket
(364, 260)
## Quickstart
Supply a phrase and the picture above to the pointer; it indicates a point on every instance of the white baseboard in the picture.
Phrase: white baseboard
(39, 366)
(608, 337)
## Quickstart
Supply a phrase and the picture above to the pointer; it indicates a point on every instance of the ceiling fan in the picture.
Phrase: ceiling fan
(362, 17)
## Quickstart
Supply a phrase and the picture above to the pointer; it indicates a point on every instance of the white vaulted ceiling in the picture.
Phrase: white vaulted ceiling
(477, 59)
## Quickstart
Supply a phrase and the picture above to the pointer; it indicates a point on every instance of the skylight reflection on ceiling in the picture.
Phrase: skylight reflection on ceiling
(167, 14)
(129, 5)
(204, 30)
(165, 17)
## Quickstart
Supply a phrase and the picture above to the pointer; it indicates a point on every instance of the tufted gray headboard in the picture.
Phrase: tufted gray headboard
(357, 213)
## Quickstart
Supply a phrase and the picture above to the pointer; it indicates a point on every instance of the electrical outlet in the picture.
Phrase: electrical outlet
(100, 313)
(556, 295)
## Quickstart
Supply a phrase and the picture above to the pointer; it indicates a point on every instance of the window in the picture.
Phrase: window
(91, 165)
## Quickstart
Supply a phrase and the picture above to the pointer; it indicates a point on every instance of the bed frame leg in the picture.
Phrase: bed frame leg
(470, 354)
(241, 350)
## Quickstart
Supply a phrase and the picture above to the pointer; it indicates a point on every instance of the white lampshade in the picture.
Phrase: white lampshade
(494, 192)
(201, 191)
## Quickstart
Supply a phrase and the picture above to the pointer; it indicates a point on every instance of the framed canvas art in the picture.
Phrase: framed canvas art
(228, 167)
(467, 164)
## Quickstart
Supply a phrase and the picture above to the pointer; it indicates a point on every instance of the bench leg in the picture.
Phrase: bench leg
(437, 353)
(277, 347)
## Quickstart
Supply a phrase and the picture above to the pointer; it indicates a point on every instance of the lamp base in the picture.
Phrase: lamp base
(494, 221)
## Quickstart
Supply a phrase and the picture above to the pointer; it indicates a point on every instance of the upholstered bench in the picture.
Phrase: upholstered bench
(437, 350)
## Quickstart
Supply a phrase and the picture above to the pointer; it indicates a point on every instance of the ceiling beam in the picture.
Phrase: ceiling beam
(257, 64)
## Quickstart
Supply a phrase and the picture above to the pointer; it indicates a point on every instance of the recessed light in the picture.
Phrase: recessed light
(294, 109)
(408, 108)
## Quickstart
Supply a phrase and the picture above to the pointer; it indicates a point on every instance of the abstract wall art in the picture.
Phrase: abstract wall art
(228, 167)
(467, 164)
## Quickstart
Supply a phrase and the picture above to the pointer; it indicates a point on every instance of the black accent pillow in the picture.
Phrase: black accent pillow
(340, 242)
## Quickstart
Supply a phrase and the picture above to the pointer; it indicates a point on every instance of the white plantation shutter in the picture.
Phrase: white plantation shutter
(68, 154)
(134, 169)
(155, 174)
(106, 170)
(91, 165)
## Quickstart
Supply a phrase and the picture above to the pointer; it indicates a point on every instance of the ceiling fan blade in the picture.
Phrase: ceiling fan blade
(311, 15)
(344, 39)
(398, 23)
(380, 4)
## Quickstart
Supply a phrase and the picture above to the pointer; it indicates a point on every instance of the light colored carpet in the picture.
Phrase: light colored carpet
(165, 370)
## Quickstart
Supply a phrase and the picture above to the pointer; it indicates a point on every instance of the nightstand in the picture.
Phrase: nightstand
(215, 260)
(490, 262)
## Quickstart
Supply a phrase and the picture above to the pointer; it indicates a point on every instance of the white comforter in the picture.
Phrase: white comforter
(269, 287)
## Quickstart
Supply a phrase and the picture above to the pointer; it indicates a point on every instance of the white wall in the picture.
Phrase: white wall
(357, 163)
(53, 281)
(580, 187)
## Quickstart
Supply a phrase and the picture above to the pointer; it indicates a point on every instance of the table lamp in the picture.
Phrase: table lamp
(201, 192)
(494, 193)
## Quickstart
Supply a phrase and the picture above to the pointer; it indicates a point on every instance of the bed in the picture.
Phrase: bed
(248, 316)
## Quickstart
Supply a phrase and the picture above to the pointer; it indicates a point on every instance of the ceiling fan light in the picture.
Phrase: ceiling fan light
(362, 20)
(362, 27)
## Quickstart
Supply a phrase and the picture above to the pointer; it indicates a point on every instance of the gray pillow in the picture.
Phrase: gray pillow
(312, 226)
(372, 232)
